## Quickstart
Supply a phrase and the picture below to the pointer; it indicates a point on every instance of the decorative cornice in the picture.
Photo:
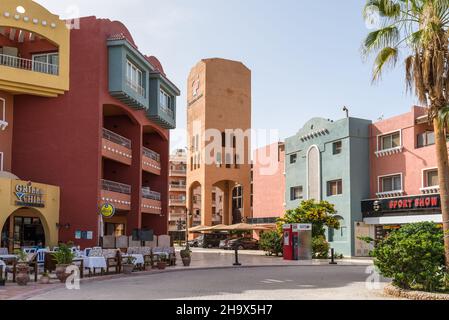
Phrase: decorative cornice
(314, 134)
(430, 190)
(390, 194)
(388, 152)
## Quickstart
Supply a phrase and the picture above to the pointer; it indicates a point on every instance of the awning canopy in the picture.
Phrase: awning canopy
(241, 227)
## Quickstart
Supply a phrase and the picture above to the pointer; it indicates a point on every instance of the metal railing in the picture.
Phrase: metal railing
(262, 220)
(115, 187)
(27, 64)
(177, 201)
(178, 171)
(151, 154)
(177, 186)
(151, 195)
(116, 138)
(136, 87)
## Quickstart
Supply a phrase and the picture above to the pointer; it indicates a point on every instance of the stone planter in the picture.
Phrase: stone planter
(161, 265)
(128, 268)
(393, 291)
(44, 280)
(186, 261)
(23, 274)
(60, 272)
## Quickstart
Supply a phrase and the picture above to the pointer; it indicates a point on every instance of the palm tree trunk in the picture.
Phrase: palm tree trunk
(443, 174)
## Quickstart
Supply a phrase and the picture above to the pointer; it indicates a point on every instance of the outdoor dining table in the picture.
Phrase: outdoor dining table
(138, 258)
(8, 257)
(93, 263)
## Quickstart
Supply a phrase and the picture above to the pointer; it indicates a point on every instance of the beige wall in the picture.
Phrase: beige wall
(49, 215)
(223, 101)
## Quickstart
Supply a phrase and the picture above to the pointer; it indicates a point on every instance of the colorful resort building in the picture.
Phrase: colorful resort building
(404, 186)
(103, 140)
(329, 160)
(34, 65)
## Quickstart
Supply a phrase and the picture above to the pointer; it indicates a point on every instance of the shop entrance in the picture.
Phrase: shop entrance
(21, 231)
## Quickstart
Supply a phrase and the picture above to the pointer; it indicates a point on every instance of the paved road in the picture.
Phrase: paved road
(261, 283)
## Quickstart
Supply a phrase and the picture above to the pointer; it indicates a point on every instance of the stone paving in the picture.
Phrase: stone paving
(201, 259)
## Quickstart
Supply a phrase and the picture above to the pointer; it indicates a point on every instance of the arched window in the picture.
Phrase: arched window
(314, 173)
(340, 234)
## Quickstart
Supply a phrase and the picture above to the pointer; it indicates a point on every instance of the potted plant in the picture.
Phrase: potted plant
(186, 256)
(45, 279)
(22, 268)
(162, 261)
(64, 258)
(128, 264)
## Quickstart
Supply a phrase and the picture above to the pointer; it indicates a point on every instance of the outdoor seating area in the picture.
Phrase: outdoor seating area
(96, 261)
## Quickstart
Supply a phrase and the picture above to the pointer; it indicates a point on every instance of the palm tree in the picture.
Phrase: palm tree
(418, 31)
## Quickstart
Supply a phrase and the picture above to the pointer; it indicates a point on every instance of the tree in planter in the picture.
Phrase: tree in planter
(271, 242)
(321, 215)
(64, 258)
(419, 30)
(413, 257)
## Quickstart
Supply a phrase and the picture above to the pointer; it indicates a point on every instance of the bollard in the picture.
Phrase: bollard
(237, 263)
(332, 257)
(2, 281)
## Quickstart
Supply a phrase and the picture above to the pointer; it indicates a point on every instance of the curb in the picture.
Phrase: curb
(393, 291)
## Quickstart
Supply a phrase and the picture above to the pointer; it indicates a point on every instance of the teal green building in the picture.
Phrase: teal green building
(329, 160)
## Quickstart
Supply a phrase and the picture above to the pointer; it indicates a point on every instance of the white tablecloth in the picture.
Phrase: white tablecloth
(7, 257)
(94, 262)
(138, 258)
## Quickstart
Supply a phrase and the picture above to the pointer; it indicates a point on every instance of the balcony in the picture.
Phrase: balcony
(177, 187)
(29, 65)
(116, 194)
(389, 152)
(116, 147)
(177, 202)
(27, 42)
(178, 173)
(151, 161)
(151, 201)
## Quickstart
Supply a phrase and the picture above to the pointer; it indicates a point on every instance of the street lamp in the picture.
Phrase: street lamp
(189, 215)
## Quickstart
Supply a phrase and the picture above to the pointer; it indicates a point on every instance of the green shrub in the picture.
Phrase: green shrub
(320, 247)
(271, 242)
(413, 257)
(64, 255)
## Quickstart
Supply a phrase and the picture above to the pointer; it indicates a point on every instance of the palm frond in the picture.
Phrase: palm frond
(379, 39)
(443, 117)
(388, 56)
(386, 8)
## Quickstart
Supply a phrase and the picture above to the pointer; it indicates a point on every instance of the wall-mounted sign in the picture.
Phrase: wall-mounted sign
(25, 194)
(107, 210)
(404, 204)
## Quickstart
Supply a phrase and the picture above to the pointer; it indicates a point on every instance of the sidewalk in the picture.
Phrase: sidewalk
(202, 259)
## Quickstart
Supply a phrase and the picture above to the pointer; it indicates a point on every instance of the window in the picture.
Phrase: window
(296, 193)
(1, 161)
(431, 178)
(293, 158)
(337, 147)
(134, 78)
(391, 183)
(166, 102)
(46, 63)
(334, 188)
(390, 141)
(426, 139)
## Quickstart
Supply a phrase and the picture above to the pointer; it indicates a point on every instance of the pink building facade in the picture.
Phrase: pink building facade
(268, 184)
(403, 177)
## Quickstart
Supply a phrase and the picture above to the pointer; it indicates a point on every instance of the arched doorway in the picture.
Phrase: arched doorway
(25, 227)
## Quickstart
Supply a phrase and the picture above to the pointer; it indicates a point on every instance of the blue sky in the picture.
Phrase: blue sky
(304, 55)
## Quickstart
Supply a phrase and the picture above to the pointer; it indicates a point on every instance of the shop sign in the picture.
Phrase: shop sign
(107, 210)
(25, 194)
(415, 203)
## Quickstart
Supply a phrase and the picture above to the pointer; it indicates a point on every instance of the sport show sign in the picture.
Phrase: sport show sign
(415, 203)
(25, 194)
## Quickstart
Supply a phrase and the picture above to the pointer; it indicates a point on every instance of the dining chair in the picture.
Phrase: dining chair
(41, 256)
(87, 251)
(3, 251)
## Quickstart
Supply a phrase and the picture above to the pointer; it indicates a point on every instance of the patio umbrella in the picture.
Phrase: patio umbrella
(220, 227)
(243, 227)
(199, 229)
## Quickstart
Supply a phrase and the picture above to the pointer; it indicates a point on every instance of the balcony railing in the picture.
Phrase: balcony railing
(115, 187)
(175, 201)
(30, 65)
(116, 138)
(151, 195)
(178, 186)
(174, 172)
(167, 111)
(136, 87)
(151, 154)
